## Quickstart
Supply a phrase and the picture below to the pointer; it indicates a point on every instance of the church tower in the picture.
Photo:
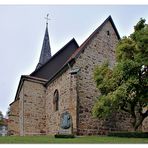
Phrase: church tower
(46, 50)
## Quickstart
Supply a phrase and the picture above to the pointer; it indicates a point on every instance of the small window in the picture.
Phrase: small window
(108, 33)
(56, 100)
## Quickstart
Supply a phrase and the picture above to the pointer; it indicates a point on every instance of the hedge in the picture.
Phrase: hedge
(129, 134)
(64, 136)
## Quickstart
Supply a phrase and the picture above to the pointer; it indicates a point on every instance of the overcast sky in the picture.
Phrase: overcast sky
(22, 30)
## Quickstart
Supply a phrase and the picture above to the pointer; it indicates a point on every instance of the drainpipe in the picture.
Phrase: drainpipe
(75, 71)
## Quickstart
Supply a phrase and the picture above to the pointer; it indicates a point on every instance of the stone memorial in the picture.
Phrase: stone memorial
(65, 124)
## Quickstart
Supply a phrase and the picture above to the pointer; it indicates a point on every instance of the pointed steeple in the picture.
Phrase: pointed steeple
(46, 50)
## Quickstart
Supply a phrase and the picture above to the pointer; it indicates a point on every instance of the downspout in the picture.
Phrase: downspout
(75, 72)
(23, 112)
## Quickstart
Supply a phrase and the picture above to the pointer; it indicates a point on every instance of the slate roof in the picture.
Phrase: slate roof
(55, 63)
(46, 50)
(77, 52)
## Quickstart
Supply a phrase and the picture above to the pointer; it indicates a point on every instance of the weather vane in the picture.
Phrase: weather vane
(47, 19)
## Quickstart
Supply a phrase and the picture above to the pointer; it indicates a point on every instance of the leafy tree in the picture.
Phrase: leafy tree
(1, 118)
(125, 86)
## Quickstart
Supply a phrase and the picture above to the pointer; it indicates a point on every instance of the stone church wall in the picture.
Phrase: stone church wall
(27, 114)
(100, 48)
(66, 86)
(21, 111)
(13, 124)
(145, 125)
(33, 106)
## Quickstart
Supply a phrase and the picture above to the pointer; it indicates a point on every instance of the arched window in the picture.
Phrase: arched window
(56, 100)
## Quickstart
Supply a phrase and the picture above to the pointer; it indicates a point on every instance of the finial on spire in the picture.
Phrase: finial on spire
(47, 19)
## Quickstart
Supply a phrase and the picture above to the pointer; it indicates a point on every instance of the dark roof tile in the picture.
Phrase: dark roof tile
(55, 63)
(46, 50)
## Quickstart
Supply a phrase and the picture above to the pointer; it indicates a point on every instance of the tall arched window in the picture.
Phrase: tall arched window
(56, 100)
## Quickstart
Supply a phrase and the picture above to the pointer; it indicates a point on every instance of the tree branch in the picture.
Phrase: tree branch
(124, 109)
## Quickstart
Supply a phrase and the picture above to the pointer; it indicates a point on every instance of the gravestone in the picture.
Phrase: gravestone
(65, 124)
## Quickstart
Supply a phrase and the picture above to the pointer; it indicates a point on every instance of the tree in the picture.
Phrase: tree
(1, 118)
(125, 86)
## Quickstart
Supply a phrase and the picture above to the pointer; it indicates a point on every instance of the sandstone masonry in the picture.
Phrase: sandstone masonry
(29, 109)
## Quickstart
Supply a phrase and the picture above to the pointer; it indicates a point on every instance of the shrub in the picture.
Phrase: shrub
(64, 136)
(129, 134)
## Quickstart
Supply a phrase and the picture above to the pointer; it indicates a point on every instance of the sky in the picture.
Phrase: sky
(22, 29)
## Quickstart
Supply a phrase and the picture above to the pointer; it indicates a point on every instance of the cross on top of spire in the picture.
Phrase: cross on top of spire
(47, 19)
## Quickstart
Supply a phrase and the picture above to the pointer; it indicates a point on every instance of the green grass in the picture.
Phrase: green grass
(84, 139)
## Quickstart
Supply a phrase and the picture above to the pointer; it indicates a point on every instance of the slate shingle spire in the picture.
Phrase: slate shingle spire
(46, 50)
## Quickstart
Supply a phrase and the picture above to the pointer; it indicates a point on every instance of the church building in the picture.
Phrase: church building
(58, 96)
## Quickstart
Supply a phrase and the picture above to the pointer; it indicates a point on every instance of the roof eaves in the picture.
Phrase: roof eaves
(35, 78)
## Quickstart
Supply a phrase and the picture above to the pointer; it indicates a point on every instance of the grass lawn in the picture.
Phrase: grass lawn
(84, 139)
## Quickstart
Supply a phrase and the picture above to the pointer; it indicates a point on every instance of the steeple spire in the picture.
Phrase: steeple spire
(46, 50)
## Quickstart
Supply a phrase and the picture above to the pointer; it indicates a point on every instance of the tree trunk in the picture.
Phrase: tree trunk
(138, 123)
